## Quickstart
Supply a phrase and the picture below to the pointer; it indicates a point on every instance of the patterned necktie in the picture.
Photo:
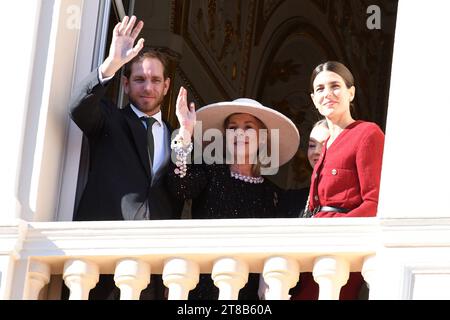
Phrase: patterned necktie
(149, 121)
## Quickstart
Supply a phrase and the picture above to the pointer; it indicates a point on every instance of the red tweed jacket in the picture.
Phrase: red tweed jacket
(348, 173)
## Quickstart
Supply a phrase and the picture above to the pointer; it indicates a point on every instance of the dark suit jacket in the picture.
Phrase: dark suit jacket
(120, 185)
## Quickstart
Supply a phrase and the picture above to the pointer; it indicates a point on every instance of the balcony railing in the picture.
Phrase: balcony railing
(279, 249)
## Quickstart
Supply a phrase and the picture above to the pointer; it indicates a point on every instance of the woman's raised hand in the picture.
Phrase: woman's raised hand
(185, 114)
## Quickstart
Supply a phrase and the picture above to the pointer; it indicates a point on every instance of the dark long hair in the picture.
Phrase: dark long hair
(336, 67)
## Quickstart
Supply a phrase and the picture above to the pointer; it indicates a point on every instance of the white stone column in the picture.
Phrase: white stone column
(80, 276)
(6, 273)
(131, 277)
(13, 268)
(180, 276)
(16, 92)
(38, 275)
(280, 274)
(417, 117)
(331, 273)
(230, 275)
(369, 271)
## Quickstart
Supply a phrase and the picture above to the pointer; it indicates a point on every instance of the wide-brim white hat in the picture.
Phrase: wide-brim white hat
(214, 115)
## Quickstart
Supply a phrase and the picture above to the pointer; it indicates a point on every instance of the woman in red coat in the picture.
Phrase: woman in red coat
(346, 179)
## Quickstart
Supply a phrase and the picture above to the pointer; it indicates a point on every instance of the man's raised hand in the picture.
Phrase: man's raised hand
(122, 48)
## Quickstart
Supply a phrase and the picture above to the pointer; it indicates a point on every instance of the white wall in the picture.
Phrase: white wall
(16, 60)
(415, 178)
(41, 66)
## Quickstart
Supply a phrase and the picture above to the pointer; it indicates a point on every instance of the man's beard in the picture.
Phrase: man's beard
(149, 108)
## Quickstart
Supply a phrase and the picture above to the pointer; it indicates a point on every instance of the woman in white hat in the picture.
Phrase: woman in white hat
(235, 189)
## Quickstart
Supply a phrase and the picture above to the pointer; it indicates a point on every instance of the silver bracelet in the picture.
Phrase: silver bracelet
(182, 150)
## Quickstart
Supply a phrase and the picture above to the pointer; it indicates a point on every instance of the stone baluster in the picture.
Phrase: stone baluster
(230, 275)
(280, 274)
(80, 276)
(180, 276)
(131, 277)
(38, 275)
(331, 273)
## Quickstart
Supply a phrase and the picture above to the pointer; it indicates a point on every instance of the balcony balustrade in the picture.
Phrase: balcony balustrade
(278, 249)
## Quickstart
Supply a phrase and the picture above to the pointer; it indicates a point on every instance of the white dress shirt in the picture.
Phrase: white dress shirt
(160, 133)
